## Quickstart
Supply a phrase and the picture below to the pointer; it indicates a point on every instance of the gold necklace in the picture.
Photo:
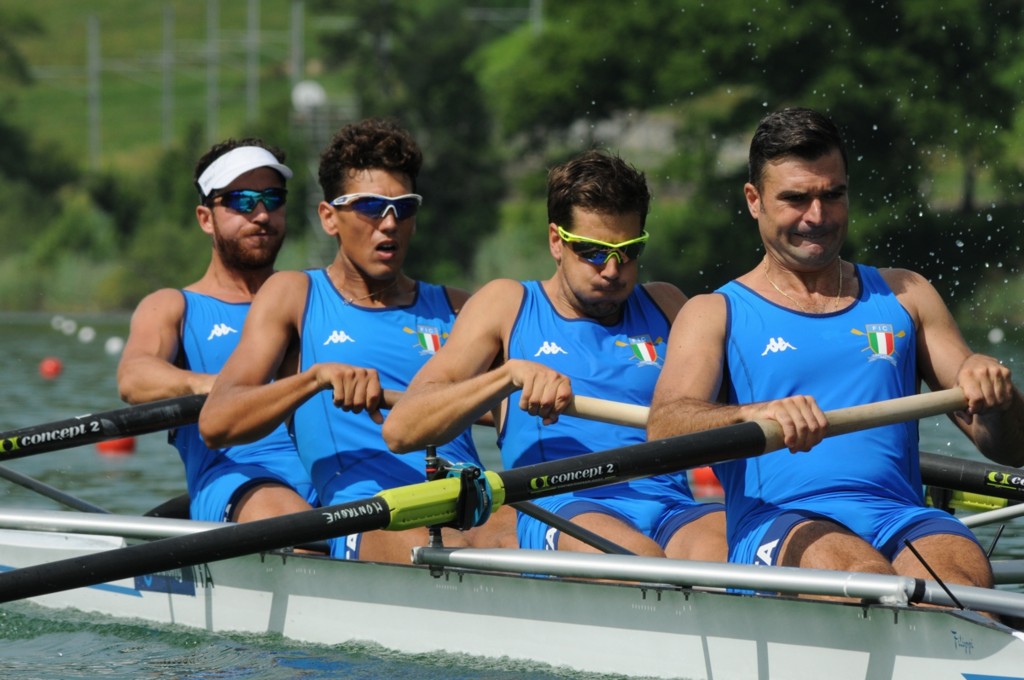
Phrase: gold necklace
(351, 300)
(835, 302)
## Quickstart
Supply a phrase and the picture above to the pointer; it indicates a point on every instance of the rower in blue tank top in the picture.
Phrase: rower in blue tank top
(622, 361)
(869, 481)
(804, 332)
(343, 450)
(217, 478)
(523, 350)
(180, 339)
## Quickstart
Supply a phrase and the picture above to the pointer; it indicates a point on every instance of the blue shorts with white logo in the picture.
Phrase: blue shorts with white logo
(223, 485)
(658, 519)
(884, 523)
(347, 547)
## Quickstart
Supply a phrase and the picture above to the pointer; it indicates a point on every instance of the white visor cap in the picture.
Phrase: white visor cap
(236, 163)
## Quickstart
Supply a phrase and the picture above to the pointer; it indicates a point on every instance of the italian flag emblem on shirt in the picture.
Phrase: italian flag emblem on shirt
(643, 349)
(881, 339)
(429, 338)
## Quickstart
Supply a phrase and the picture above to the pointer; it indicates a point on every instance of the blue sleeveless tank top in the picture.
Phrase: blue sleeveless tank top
(342, 448)
(210, 332)
(861, 354)
(620, 362)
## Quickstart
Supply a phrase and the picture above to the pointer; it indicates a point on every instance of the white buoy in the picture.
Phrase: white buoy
(86, 334)
(996, 335)
(56, 322)
(113, 345)
(68, 326)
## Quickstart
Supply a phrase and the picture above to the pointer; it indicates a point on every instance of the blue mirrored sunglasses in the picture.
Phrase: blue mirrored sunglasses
(245, 200)
(377, 206)
(599, 252)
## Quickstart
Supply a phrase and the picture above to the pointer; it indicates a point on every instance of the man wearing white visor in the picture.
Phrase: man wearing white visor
(179, 339)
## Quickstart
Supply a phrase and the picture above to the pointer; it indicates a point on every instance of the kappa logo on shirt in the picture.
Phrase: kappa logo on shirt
(338, 337)
(219, 330)
(777, 345)
(550, 348)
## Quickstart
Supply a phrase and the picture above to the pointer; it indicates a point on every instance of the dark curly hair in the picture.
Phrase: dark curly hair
(374, 143)
(221, 148)
(599, 182)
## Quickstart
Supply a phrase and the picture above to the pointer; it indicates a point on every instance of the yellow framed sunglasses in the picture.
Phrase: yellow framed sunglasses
(599, 252)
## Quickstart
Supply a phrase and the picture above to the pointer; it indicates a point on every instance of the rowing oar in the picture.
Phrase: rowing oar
(48, 491)
(987, 479)
(943, 471)
(165, 414)
(434, 502)
(972, 476)
(96, 427)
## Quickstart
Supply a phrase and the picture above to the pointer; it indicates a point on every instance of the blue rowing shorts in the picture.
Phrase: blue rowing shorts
(883, 523)
(223, 485)
(657, 519)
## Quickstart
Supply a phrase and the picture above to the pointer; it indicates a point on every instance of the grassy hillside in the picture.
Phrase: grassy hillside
(131, 41)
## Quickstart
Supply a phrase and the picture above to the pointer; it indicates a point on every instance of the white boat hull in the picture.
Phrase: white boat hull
(628, 629)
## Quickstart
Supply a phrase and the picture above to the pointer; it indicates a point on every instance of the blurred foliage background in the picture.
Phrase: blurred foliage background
(107, 105)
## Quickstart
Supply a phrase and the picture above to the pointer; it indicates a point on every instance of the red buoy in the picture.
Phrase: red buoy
(116, 447)
(50, 368)
(705, 484)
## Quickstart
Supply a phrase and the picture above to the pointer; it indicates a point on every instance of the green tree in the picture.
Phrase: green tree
(918, 88)
(411, 61)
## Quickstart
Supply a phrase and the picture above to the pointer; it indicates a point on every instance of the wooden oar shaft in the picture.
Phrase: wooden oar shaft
(840, 421)
(95, 427)
(169, 413)
(711, 446)
(631, 415)
(844, 420)
(405, 507)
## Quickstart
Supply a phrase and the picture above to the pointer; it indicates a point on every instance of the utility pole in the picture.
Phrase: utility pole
(297, 54)
(167, 69)
(93, 69)
(212, 59)
(252, 62)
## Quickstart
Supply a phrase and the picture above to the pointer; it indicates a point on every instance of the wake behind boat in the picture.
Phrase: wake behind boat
(649, 617)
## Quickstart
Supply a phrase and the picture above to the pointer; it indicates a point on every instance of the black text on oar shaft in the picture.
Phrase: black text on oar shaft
(96, 427)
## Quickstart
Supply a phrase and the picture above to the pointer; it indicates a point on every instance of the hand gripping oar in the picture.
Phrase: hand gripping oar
(166, 414)
(979, 477)
(95, 427)
(434, 502)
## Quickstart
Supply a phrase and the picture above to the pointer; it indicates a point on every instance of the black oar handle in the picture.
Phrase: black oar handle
(95, 427)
